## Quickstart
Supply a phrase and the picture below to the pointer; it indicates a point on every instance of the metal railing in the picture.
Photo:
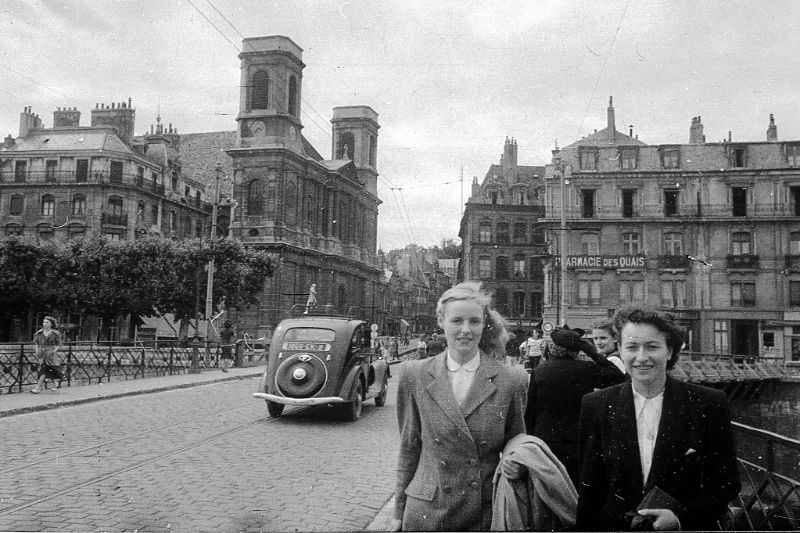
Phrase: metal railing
(769, 471)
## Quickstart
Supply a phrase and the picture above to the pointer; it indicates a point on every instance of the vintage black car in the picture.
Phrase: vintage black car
(323, 360)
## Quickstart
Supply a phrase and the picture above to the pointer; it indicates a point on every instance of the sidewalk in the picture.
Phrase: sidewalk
(25, 402)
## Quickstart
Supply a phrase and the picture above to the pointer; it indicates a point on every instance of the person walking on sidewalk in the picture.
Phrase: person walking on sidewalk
(48, 343)
(226, 343)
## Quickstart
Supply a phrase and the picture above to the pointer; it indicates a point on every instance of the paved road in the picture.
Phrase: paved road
(207, 458)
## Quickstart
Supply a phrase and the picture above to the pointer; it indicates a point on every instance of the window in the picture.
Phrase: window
(13, 229)
(485, 232)
(17, 203)
(630, 243)
(115, 205)
(292, 107)
(502, 233)
(519, 267)
(373, 151)
(20, 171)
(741, 243)
(590, 244)
(78, 205)
(173, 221)
(794, 199)
(670, 158)
(48, 205)
(484, 268)
(739, 200)
(255, 198)
(174, 176)
(50, 167)
(768, 339)
(520, 236)
(628, 197)
(673, 244)
(519, 197)
(588, 203)
(589, 292)
(140, 176)
(81, 170)
(501, 268)
(587, 159)
(738, 156)
(793, 155)
(628, 158)
(631, 291)
(794, 293)
(794, 243)
(154, 214)
(536, 304)
(346, 144)
(535, 268)
(290, 205)
(743, 294)
(113, 236)
(115, 175)
(494, 197)
(670, 202)
(673, 293)
(518, 303)
(501, 300)
(721, 336)
(259, 90)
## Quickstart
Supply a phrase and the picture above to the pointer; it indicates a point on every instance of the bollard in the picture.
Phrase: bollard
(194, 368)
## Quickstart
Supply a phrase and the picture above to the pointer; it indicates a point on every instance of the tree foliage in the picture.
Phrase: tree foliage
(108, 279)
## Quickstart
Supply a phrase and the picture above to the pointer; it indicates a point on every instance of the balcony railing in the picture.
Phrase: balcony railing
(743, 261)
(673, 261)
(114, 220)
(688, 210)
(792, 262)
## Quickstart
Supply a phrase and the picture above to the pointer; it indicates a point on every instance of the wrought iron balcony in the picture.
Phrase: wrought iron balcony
(114, 220)
(673, 261)
(747, 261)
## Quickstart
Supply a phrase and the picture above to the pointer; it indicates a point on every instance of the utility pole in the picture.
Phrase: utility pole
(559, 167)
(210, 281)
(461, 196)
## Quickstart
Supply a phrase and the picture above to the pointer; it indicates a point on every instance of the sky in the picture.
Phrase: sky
(450, 80)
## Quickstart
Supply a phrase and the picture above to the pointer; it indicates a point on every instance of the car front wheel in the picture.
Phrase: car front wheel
(275, 409)
(352, 410)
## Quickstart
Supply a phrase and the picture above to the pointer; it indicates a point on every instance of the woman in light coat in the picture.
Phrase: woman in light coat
(456, 411)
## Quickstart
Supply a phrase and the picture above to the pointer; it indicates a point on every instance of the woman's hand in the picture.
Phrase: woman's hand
(510, 468)
(395, 525)
(665, 520)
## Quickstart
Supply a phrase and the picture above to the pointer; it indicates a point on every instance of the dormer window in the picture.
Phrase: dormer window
(737, 156)
(588, 158)
(670, 157)
(628, 158)
(793, 155)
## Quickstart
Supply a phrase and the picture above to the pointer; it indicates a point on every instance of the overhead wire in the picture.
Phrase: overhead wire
(225, 19)
(213, 25)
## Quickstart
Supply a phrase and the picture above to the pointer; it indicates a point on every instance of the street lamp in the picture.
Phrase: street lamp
(210, 280)
(559, 168)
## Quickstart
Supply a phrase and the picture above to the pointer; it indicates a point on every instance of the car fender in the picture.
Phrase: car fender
(350, 381)
(262, 381)
(381, 368)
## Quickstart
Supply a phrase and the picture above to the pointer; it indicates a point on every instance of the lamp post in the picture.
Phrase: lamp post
(559, 168)
(210, 280)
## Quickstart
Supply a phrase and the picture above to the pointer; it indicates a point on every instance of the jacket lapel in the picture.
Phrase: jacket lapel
(626, 441)
(671, 429)
(441, 392)
(483, 385)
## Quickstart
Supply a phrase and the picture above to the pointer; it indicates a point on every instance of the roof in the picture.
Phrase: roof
(62, 140)
(600, 139)
(200, 153)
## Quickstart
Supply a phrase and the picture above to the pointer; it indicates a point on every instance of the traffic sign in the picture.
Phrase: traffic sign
(547, 327)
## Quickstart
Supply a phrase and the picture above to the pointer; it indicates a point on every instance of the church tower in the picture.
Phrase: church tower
(269, 103)
(355, 137)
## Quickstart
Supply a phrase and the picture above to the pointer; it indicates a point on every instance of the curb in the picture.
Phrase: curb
(383, 519)
(79, 401)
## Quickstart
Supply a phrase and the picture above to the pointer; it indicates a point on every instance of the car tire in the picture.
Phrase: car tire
(275, 409)
(352, 410)
(380, 399)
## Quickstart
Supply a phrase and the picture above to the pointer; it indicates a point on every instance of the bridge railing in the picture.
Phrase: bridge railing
(770, 474)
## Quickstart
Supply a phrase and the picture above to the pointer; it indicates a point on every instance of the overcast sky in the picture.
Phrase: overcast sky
(449, 79)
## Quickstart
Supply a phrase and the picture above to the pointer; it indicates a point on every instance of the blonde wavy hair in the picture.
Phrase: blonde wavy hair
(494, 336)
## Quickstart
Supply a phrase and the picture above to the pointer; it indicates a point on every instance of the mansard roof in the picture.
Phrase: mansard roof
(75, 139)
(599, 139)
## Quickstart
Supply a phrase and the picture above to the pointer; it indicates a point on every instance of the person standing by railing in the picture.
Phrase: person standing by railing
(48, 343)
(226, 344)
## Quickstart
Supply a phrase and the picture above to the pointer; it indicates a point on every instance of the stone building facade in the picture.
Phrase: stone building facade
(502, 242)
(709, 231)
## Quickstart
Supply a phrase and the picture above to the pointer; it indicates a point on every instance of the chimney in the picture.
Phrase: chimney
(28, 121)
(696, 132)
(772, 130)
(8, 142)
(509, 160)
(66, 118)
(612, 126)
(121, 117)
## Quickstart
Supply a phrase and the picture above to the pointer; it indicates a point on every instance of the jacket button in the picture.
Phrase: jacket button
(437, 441)
(446, 490)
(443, 463)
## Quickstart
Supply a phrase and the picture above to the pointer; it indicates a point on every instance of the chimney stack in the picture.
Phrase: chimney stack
(696, 135)
(772, 130)
(28, 121)
(66, 118)
(612, 126)
(121, 117)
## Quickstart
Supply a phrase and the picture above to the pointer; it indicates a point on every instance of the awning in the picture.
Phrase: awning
(403, 322)
(781, 323)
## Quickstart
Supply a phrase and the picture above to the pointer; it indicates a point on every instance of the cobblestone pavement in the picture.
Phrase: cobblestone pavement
(207, 458)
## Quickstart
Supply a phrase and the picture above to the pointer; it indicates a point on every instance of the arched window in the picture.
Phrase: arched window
(79, 205)
(346, 144)
(48, 205)
(292, 108)
(259, 90)
(255, 198)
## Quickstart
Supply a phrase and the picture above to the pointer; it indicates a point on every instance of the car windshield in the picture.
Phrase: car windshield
(310, 334)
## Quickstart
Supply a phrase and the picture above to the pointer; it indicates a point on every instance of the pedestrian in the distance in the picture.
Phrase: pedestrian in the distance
(48, 343)
(532, 349)
(456, 411)
(226, 344)
(512, 350)
(422, 348)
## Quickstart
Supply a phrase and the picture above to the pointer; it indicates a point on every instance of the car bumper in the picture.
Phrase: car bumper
(299, 401)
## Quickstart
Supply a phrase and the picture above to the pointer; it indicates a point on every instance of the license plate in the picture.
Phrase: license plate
(313, 346)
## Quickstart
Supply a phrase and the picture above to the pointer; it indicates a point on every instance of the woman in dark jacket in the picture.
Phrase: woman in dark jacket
(555, 392)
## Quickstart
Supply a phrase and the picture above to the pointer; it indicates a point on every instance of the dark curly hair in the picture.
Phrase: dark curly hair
(663, 322)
